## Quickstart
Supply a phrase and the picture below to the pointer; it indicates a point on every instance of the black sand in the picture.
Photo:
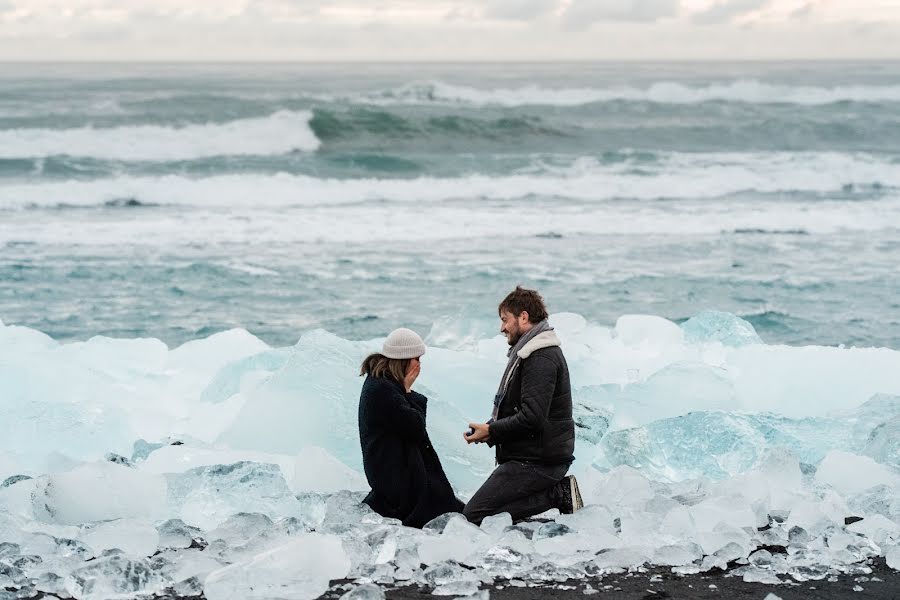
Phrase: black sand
(882, 584)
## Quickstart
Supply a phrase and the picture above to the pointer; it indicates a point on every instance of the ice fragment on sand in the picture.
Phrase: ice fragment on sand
(206, 496)
(98, 492)
(892, 557)
(456, 588)
(113, 575)
(367, 591)
(298, 570)
(133, 537)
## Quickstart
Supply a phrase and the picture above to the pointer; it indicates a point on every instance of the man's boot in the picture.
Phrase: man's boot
(569, 496)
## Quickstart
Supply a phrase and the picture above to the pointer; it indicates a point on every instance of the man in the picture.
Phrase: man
(531, 425)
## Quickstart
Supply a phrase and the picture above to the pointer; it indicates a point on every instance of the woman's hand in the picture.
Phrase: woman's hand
(412, 371)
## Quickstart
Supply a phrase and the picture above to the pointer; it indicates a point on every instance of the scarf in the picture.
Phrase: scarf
(513, 362)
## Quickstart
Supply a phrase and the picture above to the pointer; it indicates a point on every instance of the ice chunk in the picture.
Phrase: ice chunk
(97, 492)
(883, 443)
(877, 528)
(621, 558)
(493, 525)
(456, 588)
(715, 326)
(308, 402)
(648, 331)
(318, 471)
(298, 570)
(113, 575)
(457, 542)
(133, 537)
(242, 529)
(448, 572)
(851, 474)
(367, 591)
(175, 533)
(676, 555)
(892, 557)
(206, 496)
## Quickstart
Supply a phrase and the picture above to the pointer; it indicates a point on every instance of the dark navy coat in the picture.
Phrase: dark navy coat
(402, 467)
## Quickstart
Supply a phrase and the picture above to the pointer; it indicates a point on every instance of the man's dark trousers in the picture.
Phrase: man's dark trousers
(522, 489)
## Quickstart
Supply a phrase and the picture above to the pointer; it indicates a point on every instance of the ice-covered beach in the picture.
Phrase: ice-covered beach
(232, 468)
(194, 259)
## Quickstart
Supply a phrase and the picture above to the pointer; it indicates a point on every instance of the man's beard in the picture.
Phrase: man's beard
(513, 338)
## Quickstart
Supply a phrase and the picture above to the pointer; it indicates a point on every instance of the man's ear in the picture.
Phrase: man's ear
(526, 315)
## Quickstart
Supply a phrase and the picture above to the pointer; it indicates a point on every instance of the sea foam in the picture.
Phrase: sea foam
(278, 133)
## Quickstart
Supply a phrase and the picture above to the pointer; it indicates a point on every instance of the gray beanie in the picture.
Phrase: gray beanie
(403, 343)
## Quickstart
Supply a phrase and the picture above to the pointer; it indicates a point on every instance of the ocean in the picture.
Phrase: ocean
(175, 201)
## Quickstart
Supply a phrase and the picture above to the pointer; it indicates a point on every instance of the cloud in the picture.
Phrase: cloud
(519, 10)
(581, 14)
(728, 10)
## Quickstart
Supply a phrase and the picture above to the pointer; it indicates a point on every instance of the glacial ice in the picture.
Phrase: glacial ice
(698, 447)
(298, 570)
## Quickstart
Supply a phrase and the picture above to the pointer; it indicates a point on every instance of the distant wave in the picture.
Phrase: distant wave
(332, 124)
(786, 177)
(664, 92)
(278, 133)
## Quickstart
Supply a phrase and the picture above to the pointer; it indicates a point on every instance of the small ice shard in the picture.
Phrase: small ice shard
(457, 542)
(621, 558)
(298, 570)
(771, 596)
(852, 474)
(502, 561)
(877, 528)
(447, 572)
(192, 586)
(131, 536)
(113, 575)
(892, 557)
(241, 529)
(753, 574)
(883, 443)
(722, 327)
(11, 576)
(677, 555)
(551, 530)
(98, 492)
(366, 591)
(207, 496)
(318, 471)
(494, 525)
(438, 523)
(456, 588)
(647, 331)
(175, 533)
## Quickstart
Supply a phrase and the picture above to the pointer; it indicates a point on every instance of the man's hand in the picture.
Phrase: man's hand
(482, 433)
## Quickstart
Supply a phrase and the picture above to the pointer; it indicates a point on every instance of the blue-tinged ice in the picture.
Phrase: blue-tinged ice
(722, 327)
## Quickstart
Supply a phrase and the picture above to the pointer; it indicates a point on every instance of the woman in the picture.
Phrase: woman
(402, 467)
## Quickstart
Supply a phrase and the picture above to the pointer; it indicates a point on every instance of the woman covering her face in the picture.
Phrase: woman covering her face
(401, 465)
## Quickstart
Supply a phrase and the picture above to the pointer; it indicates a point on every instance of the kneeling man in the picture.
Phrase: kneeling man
(531, 426)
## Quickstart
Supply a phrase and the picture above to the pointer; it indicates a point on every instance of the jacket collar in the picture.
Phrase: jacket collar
(546, 339)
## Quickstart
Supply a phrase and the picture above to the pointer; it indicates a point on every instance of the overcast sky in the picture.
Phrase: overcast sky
(408, 30)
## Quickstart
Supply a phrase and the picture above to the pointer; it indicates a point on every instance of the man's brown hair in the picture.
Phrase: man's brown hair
(379, 365)
(529, 301)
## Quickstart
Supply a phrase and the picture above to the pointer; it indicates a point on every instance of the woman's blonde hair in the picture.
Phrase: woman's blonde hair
(379, 365)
